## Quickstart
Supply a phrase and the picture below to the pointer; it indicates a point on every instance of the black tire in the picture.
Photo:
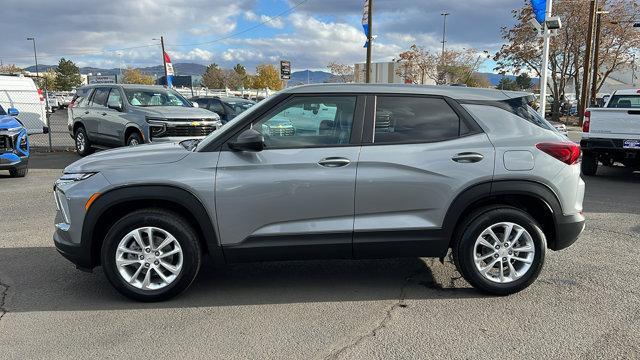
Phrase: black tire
(470, 230)
(168, 221)
(589, 164)
(19, 172)
(83, 144)
(133, 139)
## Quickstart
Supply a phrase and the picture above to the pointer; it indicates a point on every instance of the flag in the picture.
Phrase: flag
(365, 21)
(539, 9)
(169, 69)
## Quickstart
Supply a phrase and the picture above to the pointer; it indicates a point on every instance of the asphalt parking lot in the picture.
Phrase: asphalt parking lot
(584, 305)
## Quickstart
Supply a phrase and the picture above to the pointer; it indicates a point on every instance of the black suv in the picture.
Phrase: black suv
(226, 107)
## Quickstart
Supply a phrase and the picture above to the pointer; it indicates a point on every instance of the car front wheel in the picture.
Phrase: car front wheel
(501, 250)
(151, 255)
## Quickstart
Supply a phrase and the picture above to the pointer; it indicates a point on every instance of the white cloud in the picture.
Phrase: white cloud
(250, 16)
(276, 23)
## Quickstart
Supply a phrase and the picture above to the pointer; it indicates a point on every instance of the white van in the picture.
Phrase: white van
(21, 93)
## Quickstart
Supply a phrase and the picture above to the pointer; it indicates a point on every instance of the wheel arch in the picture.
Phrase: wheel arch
(129, 129)
(110, 206)
(535, 198)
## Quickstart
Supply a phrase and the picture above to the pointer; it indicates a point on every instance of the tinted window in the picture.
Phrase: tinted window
(216, 106)
(2, 112)
(309, 121)
(414, 119)
(624, 101)
(100, 97)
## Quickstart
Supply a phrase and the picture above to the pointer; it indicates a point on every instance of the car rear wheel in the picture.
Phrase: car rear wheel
(589, 164)
(20, 172)
(151, 255)
(83, 144)
(500, 250)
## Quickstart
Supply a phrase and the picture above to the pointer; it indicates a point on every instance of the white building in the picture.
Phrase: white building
(382, 73)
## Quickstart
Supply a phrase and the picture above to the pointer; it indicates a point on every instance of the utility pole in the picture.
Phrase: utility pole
(596, 57)
(444, 30)
(584, 103)
(546, 35)
(369, 40)
(46, 90)
(164, 63)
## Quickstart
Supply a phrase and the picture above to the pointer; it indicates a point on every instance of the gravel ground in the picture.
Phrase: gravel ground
(584, 305)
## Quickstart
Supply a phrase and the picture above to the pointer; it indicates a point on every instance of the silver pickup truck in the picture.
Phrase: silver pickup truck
(611, 134)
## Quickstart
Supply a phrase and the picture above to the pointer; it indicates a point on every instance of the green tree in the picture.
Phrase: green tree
(67, 75)
(267, 76)
(135, 76)
(212, 77)
(244, 77)
(507, 84)
(524, 81)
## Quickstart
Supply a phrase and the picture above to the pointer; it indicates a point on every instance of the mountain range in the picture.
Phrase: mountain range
(297, 77)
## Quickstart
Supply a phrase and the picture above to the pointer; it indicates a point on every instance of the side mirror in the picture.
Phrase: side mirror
(195, 104)
(13, 112)
(45, 129)
(248, 140)
(116, 107)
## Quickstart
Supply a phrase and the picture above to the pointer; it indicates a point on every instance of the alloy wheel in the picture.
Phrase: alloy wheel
(149, 258)
(504, 252)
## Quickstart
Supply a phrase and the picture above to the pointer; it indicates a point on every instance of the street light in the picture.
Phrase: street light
(46, 95)
(35, 53)
(444, 30)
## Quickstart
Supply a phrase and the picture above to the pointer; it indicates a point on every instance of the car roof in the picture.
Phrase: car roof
(627, 92)
(454, 92)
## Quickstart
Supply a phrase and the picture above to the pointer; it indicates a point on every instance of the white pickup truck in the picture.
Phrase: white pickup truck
(611, 134)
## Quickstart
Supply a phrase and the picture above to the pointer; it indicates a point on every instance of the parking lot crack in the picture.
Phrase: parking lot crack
(388, 315)
(4, 289)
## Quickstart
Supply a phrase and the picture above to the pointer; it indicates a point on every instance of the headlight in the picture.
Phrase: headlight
(66, 178)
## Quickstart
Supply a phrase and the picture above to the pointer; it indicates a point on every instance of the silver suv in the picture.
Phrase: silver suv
(128, 115)
(387, 171)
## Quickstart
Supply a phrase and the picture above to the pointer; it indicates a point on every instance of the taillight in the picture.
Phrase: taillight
(587, 121)
(40, 94)
(568, 153)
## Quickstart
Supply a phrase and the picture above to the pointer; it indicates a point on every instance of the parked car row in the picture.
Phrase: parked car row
(368, 171)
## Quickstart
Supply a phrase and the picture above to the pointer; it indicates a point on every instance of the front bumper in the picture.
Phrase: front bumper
(11, 160)
(568, 229)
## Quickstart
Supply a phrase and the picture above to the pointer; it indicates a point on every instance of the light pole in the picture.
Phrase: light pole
(46, 91)
(444, 30)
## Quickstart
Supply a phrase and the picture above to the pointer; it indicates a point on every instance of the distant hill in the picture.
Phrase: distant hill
(180, 69)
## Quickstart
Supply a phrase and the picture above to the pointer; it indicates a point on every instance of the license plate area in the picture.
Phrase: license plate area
(631, 144)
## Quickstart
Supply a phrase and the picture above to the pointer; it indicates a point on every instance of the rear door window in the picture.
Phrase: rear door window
(414, 119)
(100, 97)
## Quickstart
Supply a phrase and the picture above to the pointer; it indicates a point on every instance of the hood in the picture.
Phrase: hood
(9, 122)
(147, 154)
(178, 112)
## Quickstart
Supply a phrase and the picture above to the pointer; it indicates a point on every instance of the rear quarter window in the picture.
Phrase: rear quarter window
(624, 102)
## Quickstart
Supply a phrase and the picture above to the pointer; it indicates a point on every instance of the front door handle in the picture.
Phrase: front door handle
(467, 157)
(86, 112)
(334, 162)
(104, 114)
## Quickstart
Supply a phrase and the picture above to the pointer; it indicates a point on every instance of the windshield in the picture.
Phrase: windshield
(238, 107)
(155, 97)
(2, 112)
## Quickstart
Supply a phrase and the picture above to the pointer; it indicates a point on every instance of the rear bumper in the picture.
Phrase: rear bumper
(568, 229)
(602, 144)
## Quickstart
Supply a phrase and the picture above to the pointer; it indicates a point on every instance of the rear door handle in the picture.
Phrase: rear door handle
(467, 157)
(86, 112)
(104, 114)
(334, 162)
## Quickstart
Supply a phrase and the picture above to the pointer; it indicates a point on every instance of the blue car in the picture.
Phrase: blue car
(14, 143)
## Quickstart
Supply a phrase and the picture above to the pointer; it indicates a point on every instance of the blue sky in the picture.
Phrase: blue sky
(310, 33)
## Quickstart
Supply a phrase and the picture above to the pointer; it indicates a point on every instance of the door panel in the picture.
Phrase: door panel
(295, 199)
(112, 122)
(408, 177)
